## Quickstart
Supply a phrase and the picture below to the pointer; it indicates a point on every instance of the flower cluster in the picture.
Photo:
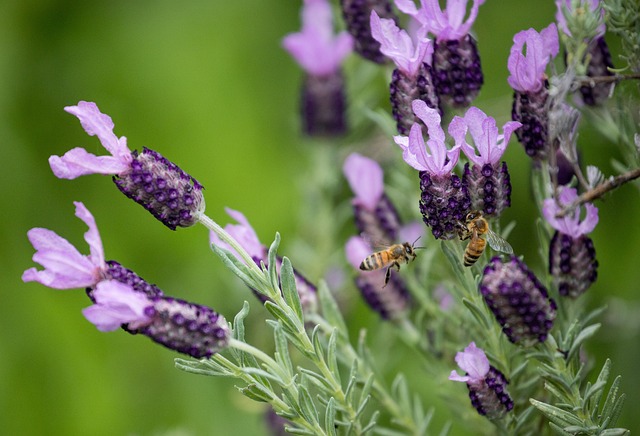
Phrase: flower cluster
(121, 298)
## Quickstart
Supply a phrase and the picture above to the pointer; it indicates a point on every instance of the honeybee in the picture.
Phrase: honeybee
(391, 257)
(474, 227)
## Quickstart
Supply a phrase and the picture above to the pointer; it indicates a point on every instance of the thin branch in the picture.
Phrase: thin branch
(591, 81)
(600, 190)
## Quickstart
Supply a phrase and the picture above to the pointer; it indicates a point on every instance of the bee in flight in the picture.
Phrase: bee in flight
(474, 227)
(390, 257)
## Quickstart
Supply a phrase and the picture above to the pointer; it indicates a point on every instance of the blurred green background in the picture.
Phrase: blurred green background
(206, 84)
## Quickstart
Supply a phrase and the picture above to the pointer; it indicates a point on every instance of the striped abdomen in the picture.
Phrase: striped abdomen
(474, 250)
(375, 261)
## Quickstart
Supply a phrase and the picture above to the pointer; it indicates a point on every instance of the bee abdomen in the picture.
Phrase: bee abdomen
(372, 262)
(473, 252)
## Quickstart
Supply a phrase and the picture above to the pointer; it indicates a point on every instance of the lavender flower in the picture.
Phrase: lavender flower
(248, 239)
(487, 179)
(528, 80)
(374, 213)
(121, 297)
(356, 14)
(518, 300)
(487, 386)
(390, 300)
(171, 195)
(411, 80)
(588, 13)
(572, 257)
(188, 328)
(457, 73)
(320, 54)
(444, 200)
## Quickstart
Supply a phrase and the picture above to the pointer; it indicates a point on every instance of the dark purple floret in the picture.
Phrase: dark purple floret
(489, 187)
(489, 396)
(160, 186)
(185, 327)
(530, 109)
(124, 275)
(403, 89)
(518, 300)
(390, 301)
(598, 66)
(457, 73)
(380, 225)
(357, 15)
(444, 203)
(572, 263)
(323, 105)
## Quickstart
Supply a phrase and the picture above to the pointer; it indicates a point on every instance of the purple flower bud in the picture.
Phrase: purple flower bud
(356, 14)
(518, 300)
(375, 215)
(390, 301)
(246, 236)
(529, 83)
(600, 64)
(320, 54)
(572, 256)
(444, 200)
(188, 328)
(487, 385)
(411, 80)
(160, 186)
(457, 72)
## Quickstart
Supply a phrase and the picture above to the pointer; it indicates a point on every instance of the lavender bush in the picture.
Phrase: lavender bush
(517, 333)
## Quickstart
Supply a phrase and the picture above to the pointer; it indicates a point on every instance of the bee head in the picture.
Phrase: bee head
(474, 214)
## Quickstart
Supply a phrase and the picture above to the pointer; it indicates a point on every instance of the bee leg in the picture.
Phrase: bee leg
(387, 276)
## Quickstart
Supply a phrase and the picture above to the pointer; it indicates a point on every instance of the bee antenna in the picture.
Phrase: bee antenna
(414, 242)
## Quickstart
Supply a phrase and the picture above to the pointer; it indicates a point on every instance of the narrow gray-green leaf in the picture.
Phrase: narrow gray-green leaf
(307, 407)
(615, 432)
(289, 291)
(318, 379)
(196, 367)
(455, 259)
(330, 417)
(256, 393)
(281, 316)
(332, 359)
(558, 429)
(477, 313)
(372, 422)
(556, 415)
(236, 266)
(282, 350)
(330, 310)
(272, 267)
(584, 335)
(616, 410)
(299, 430)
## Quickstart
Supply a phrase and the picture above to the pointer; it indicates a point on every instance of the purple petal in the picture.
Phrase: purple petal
(92, 236)
(407, 7)
(570, 224)
(356, 250)
(64, 266)
(96, 123)
(473, 361)
(450, 24)
(365, 178)
(244, 234)
(314, 47)
(454, 376)
(78, 162)
(412, 154)
(117, 304)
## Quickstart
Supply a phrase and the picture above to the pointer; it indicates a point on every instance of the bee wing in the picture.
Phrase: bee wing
(497, 243)
(375, 244)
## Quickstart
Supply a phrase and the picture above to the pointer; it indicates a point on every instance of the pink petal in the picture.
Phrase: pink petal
(365, 178)
(454, 376)
(96, 123)
(92, 236)
(117, 304)
(473, 361)
(78, 162)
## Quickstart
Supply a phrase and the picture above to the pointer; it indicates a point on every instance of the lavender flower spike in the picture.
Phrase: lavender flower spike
(356, 14)
(188, 328)
(456, 63)
(65, 267)
(412, 79)
(488, 181)
(171, 195)
(528, 80)
(320, 55)
(444, 201)
(572, 256)
(246, 236)
(375, 214)
(487, 385)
